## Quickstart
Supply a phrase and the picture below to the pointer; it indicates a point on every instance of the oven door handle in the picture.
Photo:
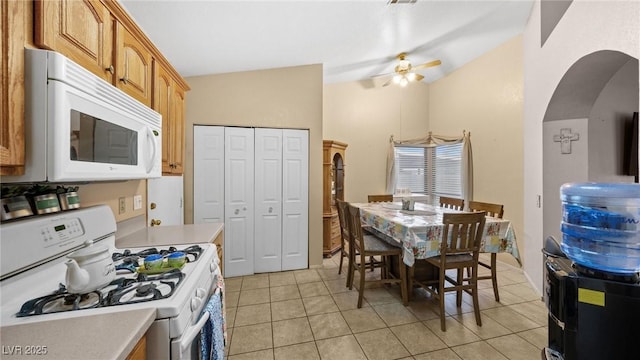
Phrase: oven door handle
(187, 337)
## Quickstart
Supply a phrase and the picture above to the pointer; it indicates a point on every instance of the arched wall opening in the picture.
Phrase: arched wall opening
(584, 127)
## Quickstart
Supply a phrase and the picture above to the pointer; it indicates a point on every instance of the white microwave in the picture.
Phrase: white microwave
(79, 127)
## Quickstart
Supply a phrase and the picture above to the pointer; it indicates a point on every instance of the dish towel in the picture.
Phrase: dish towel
(212, 334)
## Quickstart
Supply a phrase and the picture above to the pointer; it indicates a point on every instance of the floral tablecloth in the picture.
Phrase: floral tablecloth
(420, 231)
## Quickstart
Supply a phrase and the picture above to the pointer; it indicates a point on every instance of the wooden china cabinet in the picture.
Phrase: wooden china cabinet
(333, 171)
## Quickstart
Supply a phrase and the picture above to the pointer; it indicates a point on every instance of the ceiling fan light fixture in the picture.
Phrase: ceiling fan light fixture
(411, 76)
(397, 78)
(404, 81)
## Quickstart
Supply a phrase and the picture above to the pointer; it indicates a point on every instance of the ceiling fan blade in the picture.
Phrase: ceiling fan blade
(419, 77)
(383, 75)
(387, 83)
(426, 65)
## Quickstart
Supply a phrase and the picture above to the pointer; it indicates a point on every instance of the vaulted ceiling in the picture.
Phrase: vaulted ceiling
(354, 40)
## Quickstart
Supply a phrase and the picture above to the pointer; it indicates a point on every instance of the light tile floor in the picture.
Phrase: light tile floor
(311, 314)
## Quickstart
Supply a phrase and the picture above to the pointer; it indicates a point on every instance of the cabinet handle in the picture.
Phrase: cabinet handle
(125, 80)
(110, 69)
(270, 209)
(236, 212)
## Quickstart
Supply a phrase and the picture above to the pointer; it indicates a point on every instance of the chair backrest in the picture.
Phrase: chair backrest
(451, 203)
(493, 210)
(343, 208)
(463, 233)
(381, 198)
(355, 229)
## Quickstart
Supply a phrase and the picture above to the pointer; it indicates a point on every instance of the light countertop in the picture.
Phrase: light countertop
(171, 235)
(104, 336)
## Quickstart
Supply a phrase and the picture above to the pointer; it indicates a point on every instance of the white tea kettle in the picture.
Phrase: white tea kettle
(89, 269)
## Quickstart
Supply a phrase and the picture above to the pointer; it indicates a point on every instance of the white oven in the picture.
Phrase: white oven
(41, 244)
(79, 127)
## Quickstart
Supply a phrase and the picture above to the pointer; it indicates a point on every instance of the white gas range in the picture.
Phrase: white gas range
(32, 277)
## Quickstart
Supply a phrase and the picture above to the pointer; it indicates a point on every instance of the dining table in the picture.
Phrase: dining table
(419, 231)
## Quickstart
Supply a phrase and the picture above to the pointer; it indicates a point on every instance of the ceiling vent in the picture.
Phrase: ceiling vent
(391, 2)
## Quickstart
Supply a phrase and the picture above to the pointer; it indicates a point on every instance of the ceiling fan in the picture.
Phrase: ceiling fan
(404, 73)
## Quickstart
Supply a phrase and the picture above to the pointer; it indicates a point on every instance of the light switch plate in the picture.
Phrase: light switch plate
(137, 202)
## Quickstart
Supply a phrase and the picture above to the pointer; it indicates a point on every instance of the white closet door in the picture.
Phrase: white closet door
(239, 208)
(208, 174)
(295, 199)
(268, 200)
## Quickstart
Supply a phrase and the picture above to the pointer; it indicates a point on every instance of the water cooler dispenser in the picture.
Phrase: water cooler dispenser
(592, 280)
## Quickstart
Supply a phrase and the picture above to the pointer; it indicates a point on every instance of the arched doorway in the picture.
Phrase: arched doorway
(584, 127)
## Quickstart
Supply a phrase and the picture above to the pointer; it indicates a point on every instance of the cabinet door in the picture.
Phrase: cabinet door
(133, 66)
(12, 41)
(177, 129)
(81, 30)
(169, 100)
(238, 209)
(268, 200)
(295, 199)
(162, 104)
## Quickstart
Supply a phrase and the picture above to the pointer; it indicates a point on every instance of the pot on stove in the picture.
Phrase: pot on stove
(89, 269)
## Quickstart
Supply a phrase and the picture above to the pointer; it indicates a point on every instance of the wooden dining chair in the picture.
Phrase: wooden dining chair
(496, 211)
(346, 249)
(369, 245)
(375, 199)
(451, 203)
(380, 198)
(459, 250)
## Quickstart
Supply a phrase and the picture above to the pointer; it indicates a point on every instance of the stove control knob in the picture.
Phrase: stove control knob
(213, 267)
(195, 304)
(200, 293)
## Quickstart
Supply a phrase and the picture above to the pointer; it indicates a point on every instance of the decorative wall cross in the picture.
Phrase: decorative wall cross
(565, 138)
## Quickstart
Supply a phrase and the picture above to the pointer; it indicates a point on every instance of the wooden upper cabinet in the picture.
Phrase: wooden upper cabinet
(162, 104)
(81, 30)
(177, 138)
(169, 100)
(13, 15)
(133, 66)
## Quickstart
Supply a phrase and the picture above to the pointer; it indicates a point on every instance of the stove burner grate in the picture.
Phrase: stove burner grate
(120, 291)
(145, 288)
(60, 301)
(192, 252)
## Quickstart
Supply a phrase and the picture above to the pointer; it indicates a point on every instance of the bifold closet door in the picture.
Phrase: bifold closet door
(239, 201)
(295, 199)
(268, 200)
(208, 174)
(256, 181)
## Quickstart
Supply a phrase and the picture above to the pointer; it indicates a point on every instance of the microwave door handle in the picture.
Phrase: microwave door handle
(190, 334)
(151, 135)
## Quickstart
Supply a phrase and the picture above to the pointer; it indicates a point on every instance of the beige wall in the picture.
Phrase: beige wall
(277, 98)
(365, 117)
(108, 193)
(485, 97)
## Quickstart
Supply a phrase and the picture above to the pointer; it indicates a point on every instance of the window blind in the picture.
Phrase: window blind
(434, 171)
